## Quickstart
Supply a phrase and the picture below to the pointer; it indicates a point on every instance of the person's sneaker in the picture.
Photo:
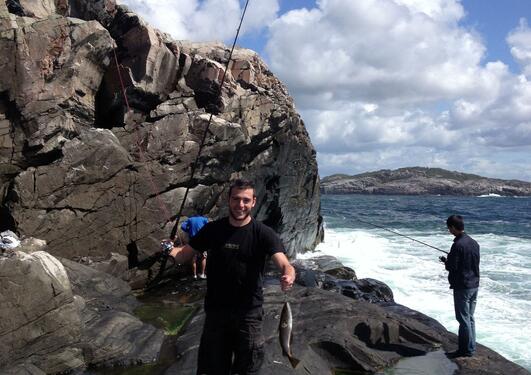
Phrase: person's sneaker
(202, 276)
(195, 277)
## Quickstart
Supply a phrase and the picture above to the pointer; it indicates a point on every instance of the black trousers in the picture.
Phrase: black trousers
(231, 343)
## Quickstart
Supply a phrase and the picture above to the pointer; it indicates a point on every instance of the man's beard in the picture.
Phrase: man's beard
(236, 219)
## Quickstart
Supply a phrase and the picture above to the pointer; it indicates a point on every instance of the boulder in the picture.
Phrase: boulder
(150, 65)
(60, 316)
(40, 323)
(119, 266)
(32, 8)
(112, 335)
(102, 11)
(327, 273)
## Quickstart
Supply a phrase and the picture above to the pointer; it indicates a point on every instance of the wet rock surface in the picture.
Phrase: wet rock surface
(334, 330)
(327, 273)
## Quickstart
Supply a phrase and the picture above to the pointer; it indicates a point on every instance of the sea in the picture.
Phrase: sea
(357, 232)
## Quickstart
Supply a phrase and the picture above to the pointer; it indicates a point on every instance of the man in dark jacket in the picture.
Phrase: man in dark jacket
(462, 265)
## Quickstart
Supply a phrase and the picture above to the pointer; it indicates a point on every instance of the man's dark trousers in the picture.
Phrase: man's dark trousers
(464, 305)
(231, 343)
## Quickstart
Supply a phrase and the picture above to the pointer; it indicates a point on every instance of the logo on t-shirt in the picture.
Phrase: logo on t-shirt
(232, 246)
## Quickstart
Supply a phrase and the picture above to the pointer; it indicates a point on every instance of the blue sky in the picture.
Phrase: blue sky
(388, 83)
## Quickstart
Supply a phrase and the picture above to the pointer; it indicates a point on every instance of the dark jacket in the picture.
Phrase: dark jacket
(463, 263)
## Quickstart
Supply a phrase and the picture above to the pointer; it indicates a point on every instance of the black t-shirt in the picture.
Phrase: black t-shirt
(235, 262)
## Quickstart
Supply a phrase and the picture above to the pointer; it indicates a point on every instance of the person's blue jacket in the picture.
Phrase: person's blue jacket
(193, 225)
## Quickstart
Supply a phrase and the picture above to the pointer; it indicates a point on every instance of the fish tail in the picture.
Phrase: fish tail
(294, 361)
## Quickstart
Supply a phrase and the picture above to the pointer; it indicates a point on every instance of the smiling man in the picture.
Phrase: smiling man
(237, 246)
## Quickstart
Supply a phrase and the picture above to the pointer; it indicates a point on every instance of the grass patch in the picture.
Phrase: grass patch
(168, 317)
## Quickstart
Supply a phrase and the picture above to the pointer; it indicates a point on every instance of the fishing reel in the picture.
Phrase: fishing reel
(164, 260)
(166, 246)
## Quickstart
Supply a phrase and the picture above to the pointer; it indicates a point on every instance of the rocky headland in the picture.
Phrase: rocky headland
(422, 181)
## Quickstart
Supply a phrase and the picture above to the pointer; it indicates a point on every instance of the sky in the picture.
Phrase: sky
(385, 84)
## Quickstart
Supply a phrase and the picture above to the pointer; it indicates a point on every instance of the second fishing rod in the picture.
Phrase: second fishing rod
(399, 234)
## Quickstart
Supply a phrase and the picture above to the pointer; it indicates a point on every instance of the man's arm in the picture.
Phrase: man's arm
(288, 272)
(452, 262)
(182, 254)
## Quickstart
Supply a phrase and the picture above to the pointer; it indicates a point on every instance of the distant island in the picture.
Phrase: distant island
(422, 181)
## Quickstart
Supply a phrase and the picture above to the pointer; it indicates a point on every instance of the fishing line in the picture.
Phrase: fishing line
(400, 234)
(138, 141)
(196, 162)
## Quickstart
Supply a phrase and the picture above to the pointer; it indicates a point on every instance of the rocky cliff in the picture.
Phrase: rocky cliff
(80, 162)
(422, 181)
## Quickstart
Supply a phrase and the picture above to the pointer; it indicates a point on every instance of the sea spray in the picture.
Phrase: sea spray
(418, 280)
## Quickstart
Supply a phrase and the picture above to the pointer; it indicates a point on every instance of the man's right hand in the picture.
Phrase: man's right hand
(442, 259)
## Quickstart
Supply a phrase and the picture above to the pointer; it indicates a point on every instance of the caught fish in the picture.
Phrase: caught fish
(285, 333)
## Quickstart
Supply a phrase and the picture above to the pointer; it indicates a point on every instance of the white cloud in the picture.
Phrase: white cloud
(520, 42)
(430, 93)
(383, 83)
(206, 20)
(376, 49)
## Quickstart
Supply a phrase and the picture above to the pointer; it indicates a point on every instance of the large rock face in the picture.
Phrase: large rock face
(80, 162)
(422, 181)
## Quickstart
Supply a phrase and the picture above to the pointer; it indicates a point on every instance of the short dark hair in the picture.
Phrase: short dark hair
(456, 221)
(241, 184)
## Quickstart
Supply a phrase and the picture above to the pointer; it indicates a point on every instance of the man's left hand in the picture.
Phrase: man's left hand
(286, 282)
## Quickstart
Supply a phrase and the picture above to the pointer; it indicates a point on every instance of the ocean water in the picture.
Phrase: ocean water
(502, 227)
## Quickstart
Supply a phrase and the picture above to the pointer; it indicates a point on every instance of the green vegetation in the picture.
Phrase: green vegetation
(333, 177)
(169, 317)
(403, 173)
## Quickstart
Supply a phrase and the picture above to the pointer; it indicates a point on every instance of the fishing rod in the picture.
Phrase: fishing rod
(196, 162)
(400, 234)
(167, 245)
